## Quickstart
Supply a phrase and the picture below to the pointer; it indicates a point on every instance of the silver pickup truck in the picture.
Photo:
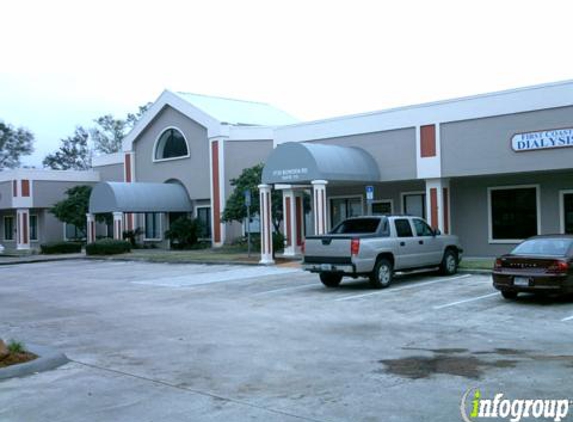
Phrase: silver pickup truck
(376, 247)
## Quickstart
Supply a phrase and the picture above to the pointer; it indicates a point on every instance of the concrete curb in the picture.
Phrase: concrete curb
(38, 260)
(48, 359)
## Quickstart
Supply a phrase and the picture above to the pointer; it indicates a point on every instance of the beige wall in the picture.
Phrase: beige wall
(193, 171)
(240, 155)
(483, 146)
(5, 194)
(111, 173)
(393, 150)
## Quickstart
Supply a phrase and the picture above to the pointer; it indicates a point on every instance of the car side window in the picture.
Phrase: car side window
(422, 228)
(403, 228)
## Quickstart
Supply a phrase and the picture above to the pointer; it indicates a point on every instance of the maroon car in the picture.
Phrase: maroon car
(540, 264)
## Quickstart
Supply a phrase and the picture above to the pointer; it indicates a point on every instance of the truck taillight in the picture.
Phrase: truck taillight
(498, 264)
(354, 246)
(302, 247)
(558, 267)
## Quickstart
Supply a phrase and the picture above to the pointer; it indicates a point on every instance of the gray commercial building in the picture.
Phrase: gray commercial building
(493, 168)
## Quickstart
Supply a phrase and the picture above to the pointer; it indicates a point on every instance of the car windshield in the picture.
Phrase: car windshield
(357, 225)
(551, 247)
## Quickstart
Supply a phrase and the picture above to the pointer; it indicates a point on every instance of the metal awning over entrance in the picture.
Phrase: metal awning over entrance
(139, 197)
(301, 163)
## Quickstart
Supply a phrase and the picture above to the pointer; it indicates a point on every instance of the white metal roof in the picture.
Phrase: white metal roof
(239, 112)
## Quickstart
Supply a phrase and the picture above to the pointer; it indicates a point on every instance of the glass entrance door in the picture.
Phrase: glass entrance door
(415, 204)
(343, 208)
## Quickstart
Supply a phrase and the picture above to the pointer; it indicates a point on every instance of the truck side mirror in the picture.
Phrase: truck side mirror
(437, 232)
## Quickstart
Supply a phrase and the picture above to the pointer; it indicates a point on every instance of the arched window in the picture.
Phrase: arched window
(171, 144)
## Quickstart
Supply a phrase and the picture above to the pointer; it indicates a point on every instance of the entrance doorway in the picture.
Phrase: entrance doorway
(414, 204)
(343, 208)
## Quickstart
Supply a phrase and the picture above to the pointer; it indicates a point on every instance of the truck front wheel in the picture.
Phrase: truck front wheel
(449, 265)
(382, 275)
(330, 279)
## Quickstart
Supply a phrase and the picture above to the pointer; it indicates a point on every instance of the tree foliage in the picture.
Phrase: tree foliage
(14, 143)
(73, 209)
(250, 178)
(74, 153)
(109, 132)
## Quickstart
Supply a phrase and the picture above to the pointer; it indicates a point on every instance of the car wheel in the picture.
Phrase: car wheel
(382, 275)
(509, 295)
(449, 263)
(330, 279)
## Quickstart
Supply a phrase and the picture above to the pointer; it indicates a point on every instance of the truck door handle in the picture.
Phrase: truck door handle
(402, 243)
(421, 242)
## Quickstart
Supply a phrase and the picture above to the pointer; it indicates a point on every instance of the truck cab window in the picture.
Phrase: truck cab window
(403, 228)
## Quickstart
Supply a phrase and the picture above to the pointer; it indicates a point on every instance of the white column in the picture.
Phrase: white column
(23, 228)
(266, 225)
(438, 204)
(118, 225)
(319, 205)
(290, 222)
(91, 228)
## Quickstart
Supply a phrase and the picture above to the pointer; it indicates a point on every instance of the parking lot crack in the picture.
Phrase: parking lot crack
(199, 392)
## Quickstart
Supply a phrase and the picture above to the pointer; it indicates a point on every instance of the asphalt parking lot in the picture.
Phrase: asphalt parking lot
(164, 342)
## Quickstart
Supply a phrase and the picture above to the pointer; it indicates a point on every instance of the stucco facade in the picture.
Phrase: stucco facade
(488, 168)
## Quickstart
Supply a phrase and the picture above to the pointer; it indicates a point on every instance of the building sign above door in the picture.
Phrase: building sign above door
(290, 174)
(545, 139)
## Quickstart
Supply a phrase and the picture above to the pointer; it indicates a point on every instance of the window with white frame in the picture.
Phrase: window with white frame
(8, 227)
(171, 144)
(33, 227)
(382, 207)
(204, 218)
(152, 226)
(71, 232)
(513, 212)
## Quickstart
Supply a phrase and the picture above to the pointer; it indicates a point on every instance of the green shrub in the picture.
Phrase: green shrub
(16, 346)
(61, 247)
(108, 247)
(278, 242)
(183, 233)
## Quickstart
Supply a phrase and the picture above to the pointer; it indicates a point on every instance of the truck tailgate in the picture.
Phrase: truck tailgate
(327, 249)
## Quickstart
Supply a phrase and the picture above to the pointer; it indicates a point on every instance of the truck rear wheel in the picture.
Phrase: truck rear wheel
(382, 275)
(330, 279)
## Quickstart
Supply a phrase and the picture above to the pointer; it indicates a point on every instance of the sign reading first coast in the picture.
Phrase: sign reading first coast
(545, 139)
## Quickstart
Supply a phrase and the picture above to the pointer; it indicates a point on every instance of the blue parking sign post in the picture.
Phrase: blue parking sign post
(369, 199)
(248, 227)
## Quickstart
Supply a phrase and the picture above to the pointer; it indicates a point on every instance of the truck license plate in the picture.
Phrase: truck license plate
(326, 267)
(521, 281)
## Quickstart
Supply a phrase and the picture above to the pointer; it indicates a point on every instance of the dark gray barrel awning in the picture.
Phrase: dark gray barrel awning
(300, 162)
(139, 197)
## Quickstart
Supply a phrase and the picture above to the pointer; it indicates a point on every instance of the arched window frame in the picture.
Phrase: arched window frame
(156, 145)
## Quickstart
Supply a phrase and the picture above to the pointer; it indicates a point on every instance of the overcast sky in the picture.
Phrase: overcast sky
(64, 63)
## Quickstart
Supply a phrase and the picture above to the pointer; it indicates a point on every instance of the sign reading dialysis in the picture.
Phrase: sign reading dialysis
(545, 139)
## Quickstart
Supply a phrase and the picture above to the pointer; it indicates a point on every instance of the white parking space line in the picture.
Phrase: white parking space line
(286, 289)
(399, 289)
(459, 302)
(567, 319)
